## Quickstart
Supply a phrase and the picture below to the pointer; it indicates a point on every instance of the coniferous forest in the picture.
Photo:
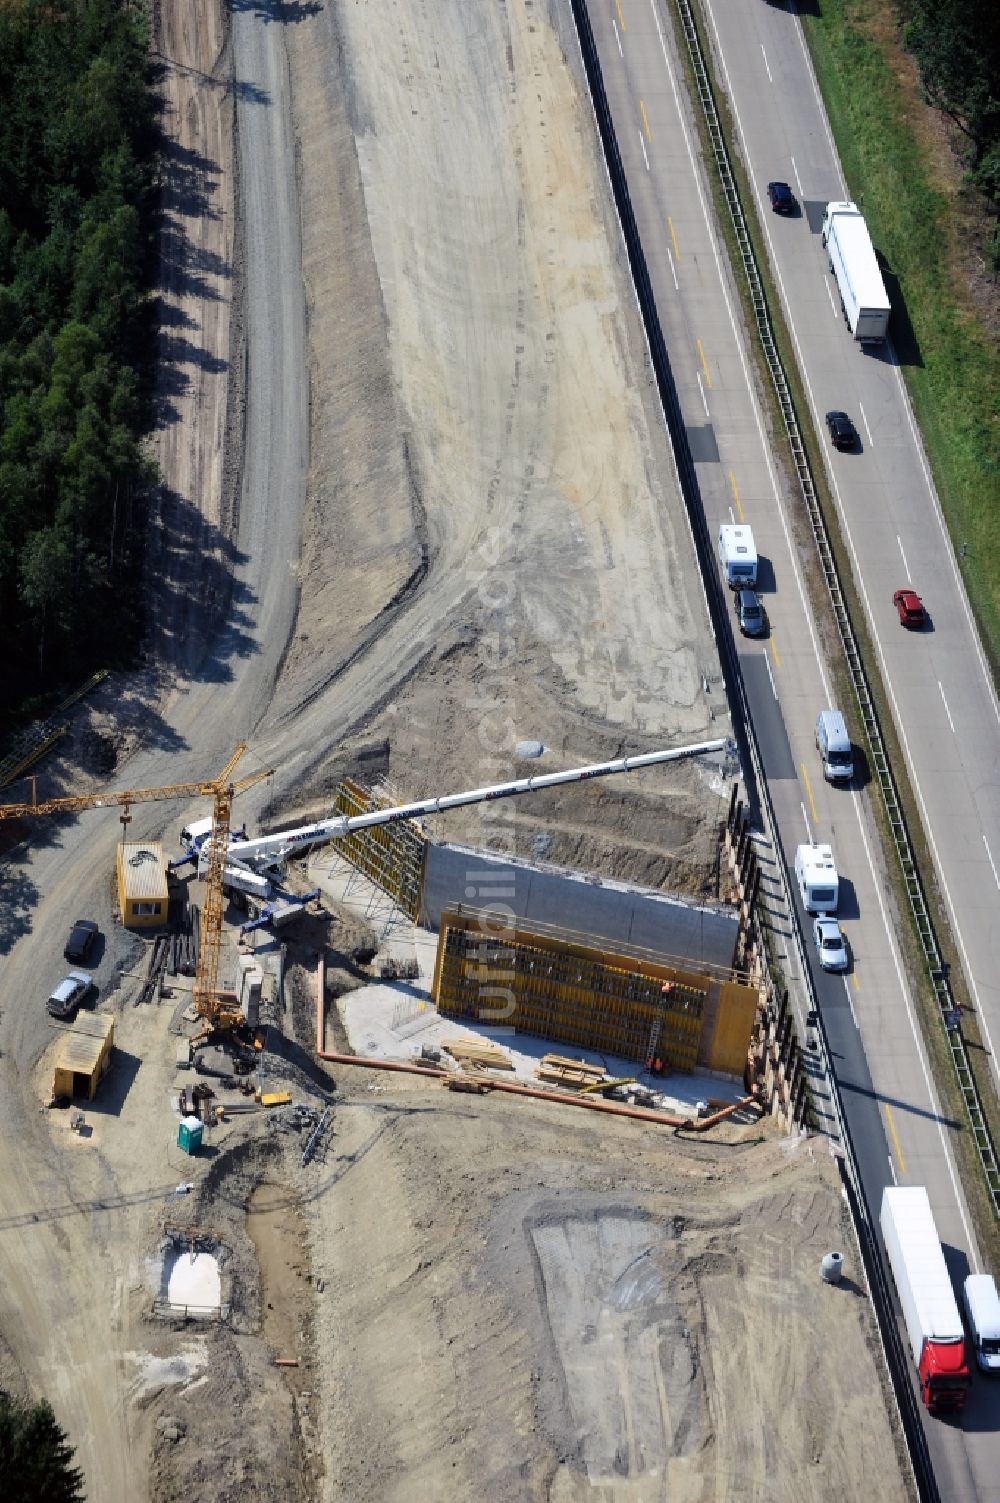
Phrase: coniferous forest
(77, 246)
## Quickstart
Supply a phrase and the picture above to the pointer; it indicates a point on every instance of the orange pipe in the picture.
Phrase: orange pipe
(515, 1088)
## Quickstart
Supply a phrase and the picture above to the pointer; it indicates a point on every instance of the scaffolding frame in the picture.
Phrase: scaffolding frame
(391, 856)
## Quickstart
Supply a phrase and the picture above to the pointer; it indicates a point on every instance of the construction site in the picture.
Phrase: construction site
(435, 1128)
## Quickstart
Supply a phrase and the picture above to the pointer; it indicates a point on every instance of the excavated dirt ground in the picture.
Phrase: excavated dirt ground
(497, 1299)
(494, 548)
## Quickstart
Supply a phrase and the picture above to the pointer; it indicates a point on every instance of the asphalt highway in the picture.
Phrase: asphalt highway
(895, 1119)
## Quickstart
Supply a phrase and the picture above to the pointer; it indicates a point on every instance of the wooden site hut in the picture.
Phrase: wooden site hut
(84, 1055)
(142, 884)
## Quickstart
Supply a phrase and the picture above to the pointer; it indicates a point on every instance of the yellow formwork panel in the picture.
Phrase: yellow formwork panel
(734, 1025)
(568, 991)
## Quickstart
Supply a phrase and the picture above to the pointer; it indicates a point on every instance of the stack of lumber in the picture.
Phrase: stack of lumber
(555, 1070)
(479, 1052)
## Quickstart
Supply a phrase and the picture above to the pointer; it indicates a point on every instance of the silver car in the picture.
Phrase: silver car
(830, 944)
(71, 991)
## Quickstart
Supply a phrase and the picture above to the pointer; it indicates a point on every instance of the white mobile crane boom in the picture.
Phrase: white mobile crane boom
(269, 848)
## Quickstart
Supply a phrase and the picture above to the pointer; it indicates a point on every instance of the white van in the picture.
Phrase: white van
(834, 746)
(982, 1308)
(738, 556)
(816, 874)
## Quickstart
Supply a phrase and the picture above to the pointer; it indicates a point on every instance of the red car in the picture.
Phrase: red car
(910, 607)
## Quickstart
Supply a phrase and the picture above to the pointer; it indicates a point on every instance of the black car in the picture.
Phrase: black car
(782, 198)
(81, 940)
(842, 430)
(750, 613)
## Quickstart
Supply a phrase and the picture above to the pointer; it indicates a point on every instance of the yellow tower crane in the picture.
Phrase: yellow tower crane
(222, 790)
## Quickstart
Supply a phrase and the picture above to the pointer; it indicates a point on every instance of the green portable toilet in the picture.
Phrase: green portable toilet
(189, 1134)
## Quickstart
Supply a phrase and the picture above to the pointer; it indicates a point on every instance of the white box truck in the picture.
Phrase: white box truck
(926, 1297)
(863, 298)
(816, 875)
(738, 556)
(982, 1308)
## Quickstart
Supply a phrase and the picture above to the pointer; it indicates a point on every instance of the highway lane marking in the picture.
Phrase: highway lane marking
(621, 18)
(673, 236)
(736, 495)
(989, 856)
(645, 122)
(892, 1170)
(946, 709)
(833, 306)
(850, 1003)
(949, 551)
(805, 817)
(855, 982)
(704, 399)
(865, 421)
(774, 649)
(617, 37)
(809, 791)
(704, 364)
(642, 143)
(894, 1135)
(888, 928)
(766, 64)
(906, 567)
(798, 180)
(770, 675)
(673, 269)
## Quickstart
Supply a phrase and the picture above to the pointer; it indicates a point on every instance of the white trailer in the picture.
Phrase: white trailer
(863, 298)
(816, 875)
(738, 555)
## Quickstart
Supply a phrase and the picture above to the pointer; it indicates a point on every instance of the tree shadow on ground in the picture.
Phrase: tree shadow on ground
(203, 617)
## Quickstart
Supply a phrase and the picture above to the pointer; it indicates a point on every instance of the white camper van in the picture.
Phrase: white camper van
(834, 746)
(738, 556)
(816, 874)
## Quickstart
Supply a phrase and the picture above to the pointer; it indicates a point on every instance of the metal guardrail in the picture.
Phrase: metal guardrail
(896, 1359)
(937, 969)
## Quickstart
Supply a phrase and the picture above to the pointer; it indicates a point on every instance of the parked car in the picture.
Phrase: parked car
(910, 607)
(750, 613)
(71, 991)
(782, 198)
(81, 940)
(830, 944)
(842, 430)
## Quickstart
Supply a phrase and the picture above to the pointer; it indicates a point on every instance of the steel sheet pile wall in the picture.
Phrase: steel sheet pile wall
(391, 856)
(562, 989)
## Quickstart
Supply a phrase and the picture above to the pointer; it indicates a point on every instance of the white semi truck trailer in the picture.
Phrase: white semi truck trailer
(863, 298)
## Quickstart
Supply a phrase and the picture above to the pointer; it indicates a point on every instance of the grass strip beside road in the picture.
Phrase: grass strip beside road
(948, 356)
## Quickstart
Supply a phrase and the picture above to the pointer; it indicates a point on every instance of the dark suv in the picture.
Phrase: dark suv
(782, 198)
(750, 613)
(842, 430)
